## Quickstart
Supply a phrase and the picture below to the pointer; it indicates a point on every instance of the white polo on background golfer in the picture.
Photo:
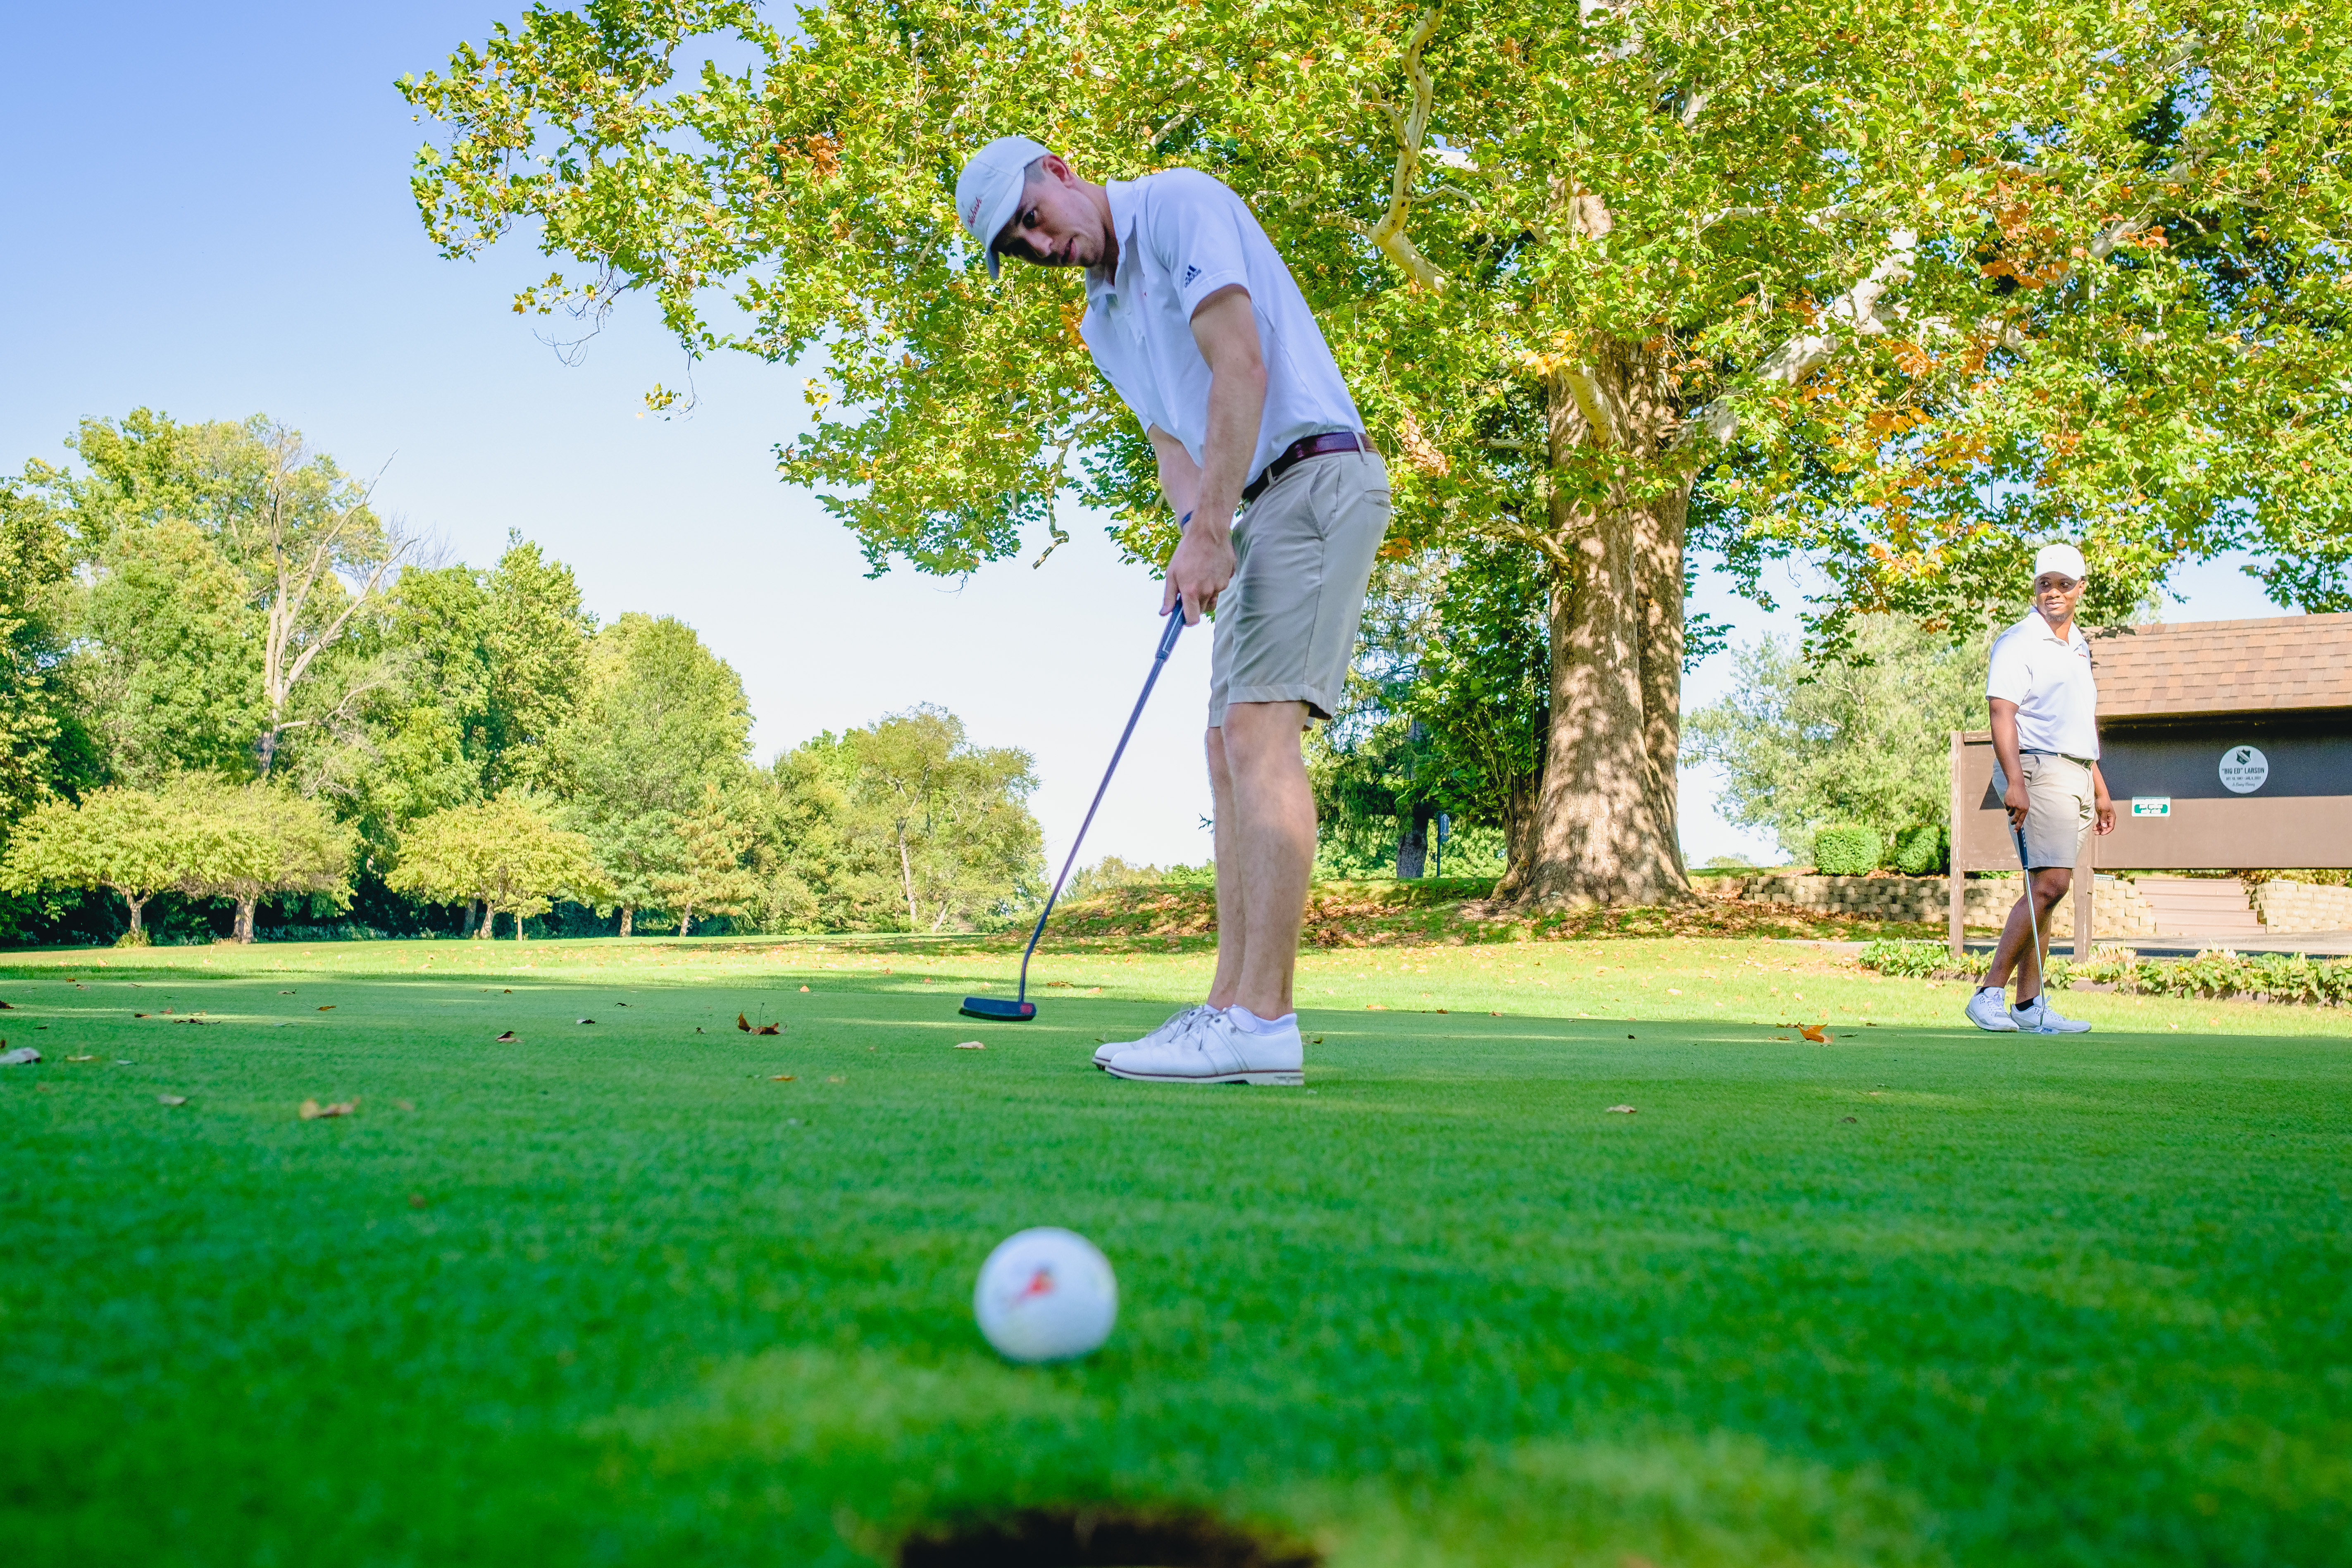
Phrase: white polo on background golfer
(2045, 743)
(1195, 322)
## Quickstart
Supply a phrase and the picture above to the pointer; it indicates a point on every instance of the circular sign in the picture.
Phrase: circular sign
(2243, 769)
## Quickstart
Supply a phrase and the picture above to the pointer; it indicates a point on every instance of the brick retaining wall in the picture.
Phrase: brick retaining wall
(2301, 906)
(2120, 911)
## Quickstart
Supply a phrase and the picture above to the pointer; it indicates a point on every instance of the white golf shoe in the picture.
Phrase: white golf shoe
(2038, 1017)
(1218, 1051)
(1988, 1010)
(1175, 1028)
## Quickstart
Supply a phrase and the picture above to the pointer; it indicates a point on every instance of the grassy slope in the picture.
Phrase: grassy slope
(609, 1294)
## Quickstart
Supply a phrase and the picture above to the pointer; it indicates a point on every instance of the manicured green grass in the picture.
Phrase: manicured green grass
(612, 1293)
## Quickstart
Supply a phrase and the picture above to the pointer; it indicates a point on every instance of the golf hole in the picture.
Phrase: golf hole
(1104, 1537)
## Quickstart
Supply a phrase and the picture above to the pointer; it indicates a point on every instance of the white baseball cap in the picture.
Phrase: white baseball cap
(988, 192)
(2060, 557)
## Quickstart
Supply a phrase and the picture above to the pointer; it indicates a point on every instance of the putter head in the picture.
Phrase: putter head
(997, 1011)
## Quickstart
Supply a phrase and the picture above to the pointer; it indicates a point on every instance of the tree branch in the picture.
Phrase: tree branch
(1410, 127)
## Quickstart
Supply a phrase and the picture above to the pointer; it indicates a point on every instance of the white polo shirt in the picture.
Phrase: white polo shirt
(1182, 235)
(2049, 678)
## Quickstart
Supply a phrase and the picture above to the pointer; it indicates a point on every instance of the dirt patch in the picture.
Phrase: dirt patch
(1106, 1537)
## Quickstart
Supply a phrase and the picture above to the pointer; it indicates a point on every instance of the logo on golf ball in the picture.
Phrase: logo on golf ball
(1045, 1294)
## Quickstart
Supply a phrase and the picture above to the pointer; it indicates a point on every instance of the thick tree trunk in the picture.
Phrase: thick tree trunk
(628, 918)
(245, 907)
(489, 921)
(465, 927)
(137, 908)
(1660, 547)
(1412, 845)
(1604, 820)
(685, 919)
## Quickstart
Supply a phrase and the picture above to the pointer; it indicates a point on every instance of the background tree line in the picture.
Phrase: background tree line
(227, 683)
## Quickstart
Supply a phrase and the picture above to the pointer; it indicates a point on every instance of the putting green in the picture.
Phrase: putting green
(656, 1289)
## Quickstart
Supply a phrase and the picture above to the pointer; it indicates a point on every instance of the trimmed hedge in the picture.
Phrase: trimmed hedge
(1922, 851)
(1846, 850)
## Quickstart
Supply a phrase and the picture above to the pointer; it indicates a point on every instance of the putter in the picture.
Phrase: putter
(2040, 963)
(1020, 1010)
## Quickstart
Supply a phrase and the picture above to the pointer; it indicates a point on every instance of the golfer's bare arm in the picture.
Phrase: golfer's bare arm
(2004, 751)
(1180, 475)
(1225, 327)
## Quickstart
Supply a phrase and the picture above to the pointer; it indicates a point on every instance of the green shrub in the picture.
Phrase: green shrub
(1911, 960)
(1846, 850)
(2280, 977)
(1922, 851)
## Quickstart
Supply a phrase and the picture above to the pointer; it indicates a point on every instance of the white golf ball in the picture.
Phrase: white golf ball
(1044, 1295)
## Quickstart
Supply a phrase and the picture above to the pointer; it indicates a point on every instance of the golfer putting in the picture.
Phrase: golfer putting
(1196, 323)
(2045, 742)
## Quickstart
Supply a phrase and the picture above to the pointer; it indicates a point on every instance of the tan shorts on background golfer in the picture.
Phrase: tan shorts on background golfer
(1286, 629)
(2059, 814)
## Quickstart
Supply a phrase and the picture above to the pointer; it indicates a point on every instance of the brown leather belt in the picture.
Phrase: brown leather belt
(1299, 451)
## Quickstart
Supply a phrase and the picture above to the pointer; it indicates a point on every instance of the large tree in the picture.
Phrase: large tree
(233, 569)
(1901, 297)
(507, 855)
(938, 825)
(249, 842)
(661, 718)
(133, 843)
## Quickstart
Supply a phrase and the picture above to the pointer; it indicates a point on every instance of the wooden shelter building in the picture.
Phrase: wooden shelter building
(2227, 745)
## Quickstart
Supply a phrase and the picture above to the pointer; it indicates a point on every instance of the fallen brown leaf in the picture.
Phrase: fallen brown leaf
(836, 1079)
(81, 1058)
(313, 1110)
(1846, 1118)
(328, 1007)
(587, 1020)
(803, 987)
(742, 1023)
(138, 1015)
(1619, 1111)
(171, 1100)
(970, 1046)
(780, 1078)
(8, 1006)
(1814, 1033)
(406, 1104)
(769, 1029)
(417, 1200)
(502, 1039)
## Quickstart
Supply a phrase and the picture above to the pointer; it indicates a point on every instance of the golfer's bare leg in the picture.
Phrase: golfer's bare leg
(2020, 945)
(1233, 908)
(1274, 816)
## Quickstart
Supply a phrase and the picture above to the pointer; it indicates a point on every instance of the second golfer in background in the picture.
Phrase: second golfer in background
(2045, 743)
(1198, 325)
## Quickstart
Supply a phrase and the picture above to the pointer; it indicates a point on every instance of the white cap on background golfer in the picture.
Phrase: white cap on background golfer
(2061, 558)
(988, 192)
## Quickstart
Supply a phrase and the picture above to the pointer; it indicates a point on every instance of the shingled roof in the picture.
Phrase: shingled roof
(2224, 667)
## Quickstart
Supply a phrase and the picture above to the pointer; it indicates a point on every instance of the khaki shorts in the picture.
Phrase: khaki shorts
(2059, 814)
(1286, 629)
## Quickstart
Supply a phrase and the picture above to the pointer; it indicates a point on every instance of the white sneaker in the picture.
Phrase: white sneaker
(2038, 1017)
(1218, 1051)
(1175, 1028)
(1988, 1010)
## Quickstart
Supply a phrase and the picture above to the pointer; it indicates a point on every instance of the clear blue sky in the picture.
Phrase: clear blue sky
(209, 215)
